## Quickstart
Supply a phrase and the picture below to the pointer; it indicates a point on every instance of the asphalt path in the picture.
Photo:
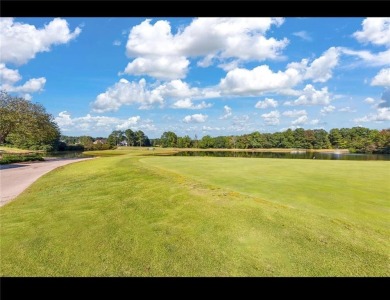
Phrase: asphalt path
(15, 178)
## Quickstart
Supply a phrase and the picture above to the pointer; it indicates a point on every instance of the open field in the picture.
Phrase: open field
(131, 215)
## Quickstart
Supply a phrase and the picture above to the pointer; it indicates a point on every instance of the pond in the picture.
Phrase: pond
(291, 155)
(67, 154)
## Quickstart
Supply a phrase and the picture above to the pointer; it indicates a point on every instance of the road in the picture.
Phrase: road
(15, 178)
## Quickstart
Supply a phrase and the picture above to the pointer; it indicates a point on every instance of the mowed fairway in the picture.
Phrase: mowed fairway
(201, 216)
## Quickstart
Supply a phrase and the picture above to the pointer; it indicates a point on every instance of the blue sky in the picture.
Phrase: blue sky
(216, 76)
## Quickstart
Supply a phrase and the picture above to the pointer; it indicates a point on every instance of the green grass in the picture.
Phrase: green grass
(199, 216)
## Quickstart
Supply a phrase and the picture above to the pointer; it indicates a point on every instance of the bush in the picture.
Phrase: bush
(9, 158)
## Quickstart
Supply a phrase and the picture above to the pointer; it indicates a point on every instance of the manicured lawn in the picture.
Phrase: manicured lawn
(200, 216)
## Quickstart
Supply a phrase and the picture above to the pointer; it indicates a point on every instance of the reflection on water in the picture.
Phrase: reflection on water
(299, 155)
(67, 154)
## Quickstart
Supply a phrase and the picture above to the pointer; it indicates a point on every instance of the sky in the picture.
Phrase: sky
(200, 76)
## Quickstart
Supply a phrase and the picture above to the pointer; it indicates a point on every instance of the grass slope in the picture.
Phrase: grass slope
(117, 216)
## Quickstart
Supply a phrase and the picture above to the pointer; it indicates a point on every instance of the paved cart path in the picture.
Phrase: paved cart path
(15, 178)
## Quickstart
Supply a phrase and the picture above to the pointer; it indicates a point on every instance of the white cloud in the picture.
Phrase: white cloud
(320, 69)
(126, 93)
(383, 114)
(311, 96)
(300, 121)
(315, 122)
(128, 123)
(373, 59)
(227, 112)
(196, 118)
(177, 89)
(208, 128)
(164, 67)
(160, 53)
(187, 103)
(304, 35)
(327, 109)
(102, 124)
(258, 80)
(271, 118)
(347, 109)
(20, 42)
(266, 103)
(369, 100)
(9, 78)
(382, 78)
(375, 31)
(117, 43)
(294, 113)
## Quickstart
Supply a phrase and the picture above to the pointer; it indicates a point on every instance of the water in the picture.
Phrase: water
(67, 154)
(300, 155)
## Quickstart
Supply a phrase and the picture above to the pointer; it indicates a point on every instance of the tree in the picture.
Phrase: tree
(26, 125)
(140, 137)
(130, 136)
(168, 139)
(115, 138)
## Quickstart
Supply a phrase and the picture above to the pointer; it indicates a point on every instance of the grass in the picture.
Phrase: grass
(159, 216)
(4, 149)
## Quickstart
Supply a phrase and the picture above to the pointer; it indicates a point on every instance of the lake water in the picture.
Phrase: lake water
(304, 155)
(67, 154)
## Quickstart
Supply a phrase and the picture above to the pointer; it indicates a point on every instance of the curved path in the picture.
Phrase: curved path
(15, 178)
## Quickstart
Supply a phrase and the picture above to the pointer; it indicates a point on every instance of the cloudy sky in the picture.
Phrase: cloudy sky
(216, 76)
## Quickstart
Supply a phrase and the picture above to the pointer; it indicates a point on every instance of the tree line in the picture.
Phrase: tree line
(27, 125)
(356, 139)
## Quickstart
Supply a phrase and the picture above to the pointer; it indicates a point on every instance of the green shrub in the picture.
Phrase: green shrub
(9, 158)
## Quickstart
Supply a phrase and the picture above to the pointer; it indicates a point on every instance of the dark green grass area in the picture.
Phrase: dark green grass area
(117, 216)
(9, 158)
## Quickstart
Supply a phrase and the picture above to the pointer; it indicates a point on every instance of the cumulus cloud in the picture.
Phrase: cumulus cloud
(130, 122)
(196, 118)
(311, 96)
(320, 70)
(126, 93)
(382, 78)
(294, 113)
(375, 31)
(258, 80)
(369, 100)
(382, 114)
(266, 103)
(372, 59)
(227, 112)
(117, 43)
(271, 118)
(327, 109)
(159, 53)
(101, 124)
(129, 93)
(300, 121)
(20, 42)
(164, 67)
(187, 103)
(9, 78)
(304, 35)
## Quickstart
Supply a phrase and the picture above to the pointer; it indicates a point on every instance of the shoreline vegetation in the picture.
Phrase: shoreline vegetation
(130, 213)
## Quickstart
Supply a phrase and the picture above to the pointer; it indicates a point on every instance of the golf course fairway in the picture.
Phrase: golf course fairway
(133, 215)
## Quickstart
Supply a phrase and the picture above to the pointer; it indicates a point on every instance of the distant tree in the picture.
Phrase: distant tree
(115, 138)
(131, 137)
(140, 137)
(168, 139)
